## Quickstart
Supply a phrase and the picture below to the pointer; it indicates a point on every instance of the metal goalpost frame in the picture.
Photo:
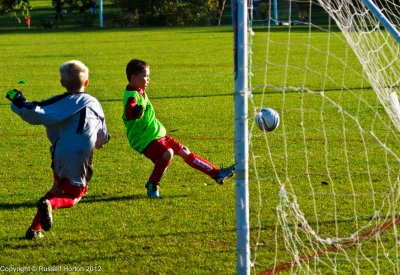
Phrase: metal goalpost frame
(383, 19)
(240, 16)
(100, 13)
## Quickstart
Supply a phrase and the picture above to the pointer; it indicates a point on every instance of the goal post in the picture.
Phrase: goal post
(383, 19)
(101, 13)
(241, 136)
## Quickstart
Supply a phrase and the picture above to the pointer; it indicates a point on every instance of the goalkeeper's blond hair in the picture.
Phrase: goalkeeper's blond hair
(74, 75)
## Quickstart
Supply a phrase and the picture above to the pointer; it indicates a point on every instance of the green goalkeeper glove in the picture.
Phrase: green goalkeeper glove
(16, 97)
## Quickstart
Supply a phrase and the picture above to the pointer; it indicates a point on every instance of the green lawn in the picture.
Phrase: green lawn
(115, 226)
(191, 230)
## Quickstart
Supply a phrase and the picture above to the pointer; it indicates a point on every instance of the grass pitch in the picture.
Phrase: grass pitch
(115, 226)
(191, 230)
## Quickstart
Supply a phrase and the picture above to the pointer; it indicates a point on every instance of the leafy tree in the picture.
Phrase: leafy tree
(15, 8)
(168, 12)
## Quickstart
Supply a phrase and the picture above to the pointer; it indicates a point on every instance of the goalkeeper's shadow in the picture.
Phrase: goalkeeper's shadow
(105, 198)
(90, 199)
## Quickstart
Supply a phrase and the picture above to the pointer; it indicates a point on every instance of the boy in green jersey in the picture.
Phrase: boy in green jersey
(148, 136)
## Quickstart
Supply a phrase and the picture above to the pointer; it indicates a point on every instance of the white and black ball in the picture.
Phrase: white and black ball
(267, 119)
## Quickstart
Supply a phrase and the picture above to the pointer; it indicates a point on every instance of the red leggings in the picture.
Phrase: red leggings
(62, 195)
(158, 147)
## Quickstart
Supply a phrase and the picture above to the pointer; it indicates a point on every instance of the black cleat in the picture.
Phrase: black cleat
(45, 209)
(32, 234)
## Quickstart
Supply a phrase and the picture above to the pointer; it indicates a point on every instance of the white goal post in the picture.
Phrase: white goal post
(241, 136)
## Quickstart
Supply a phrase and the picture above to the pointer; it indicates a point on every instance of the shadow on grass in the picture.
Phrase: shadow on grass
(24, 245)
(101, 198)
(89, 199)
(231, 94)
(314, 223)
(17, 205)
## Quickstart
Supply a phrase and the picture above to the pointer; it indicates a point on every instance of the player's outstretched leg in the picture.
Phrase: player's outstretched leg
(46, 220)
(224, 174)
(33, 234)
(152, 190)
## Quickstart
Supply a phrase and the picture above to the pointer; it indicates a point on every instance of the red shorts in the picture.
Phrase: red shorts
(157, 147)
(69, 190)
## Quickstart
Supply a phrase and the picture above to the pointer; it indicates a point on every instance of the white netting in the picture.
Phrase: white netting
(324, 186)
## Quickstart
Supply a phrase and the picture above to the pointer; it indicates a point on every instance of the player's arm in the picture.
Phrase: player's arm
(102, 135)
(133, 110)
(102, 138)
(46, 112)
(17, 98)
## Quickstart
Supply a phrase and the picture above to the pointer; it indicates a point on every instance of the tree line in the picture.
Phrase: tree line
(138, 12)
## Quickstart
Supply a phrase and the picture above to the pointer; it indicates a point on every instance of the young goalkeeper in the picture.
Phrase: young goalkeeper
(75, 125)
(148, 136)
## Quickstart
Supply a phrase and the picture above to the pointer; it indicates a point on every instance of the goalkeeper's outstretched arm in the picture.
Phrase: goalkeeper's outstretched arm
(49, 111)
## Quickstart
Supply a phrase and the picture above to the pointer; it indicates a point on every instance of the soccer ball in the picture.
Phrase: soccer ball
(267, 119)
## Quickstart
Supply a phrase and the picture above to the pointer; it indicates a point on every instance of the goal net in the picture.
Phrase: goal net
(324, 186)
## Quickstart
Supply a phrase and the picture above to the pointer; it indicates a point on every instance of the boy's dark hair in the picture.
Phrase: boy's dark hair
(135, 66)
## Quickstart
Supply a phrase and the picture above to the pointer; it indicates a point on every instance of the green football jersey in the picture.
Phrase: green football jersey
(142, 131)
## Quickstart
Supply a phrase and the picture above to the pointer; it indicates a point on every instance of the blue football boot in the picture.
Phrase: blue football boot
(224, 174)
(152, 190)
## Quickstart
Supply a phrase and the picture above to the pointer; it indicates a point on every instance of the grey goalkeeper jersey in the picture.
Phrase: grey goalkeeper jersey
(75, 125)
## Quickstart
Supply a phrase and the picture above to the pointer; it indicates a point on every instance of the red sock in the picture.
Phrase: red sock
(60, 200)
(55, 203)
(159, 169)
(35, 225)
(202, 165)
